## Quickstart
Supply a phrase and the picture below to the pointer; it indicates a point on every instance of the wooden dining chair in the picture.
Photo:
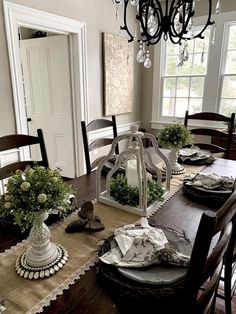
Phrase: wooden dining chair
(206, 264)
(99, 142)
(21, 140)
(228, 278)
(216, 135)
(194, 292)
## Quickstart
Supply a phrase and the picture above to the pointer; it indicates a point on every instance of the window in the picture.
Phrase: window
(183, 85)
(206, 82)
(228, 92)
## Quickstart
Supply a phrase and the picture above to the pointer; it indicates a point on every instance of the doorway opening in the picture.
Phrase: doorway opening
(18, 16)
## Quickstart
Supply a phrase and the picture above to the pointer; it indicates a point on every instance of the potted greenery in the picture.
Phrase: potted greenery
(31, 195)
(32, 191)
(175, 137)
(125, 194)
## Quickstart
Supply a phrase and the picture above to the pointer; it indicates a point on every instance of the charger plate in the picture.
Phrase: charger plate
(197, 159)
(161, 274)
(133, 296)
(154, 275)
(206, 196)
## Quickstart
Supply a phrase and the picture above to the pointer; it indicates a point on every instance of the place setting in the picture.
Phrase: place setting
(195, 156)
(209, 188)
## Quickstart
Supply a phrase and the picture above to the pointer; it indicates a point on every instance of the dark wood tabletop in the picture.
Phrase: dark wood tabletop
(87, 295)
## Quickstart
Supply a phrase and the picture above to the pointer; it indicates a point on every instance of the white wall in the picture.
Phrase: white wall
(99, 16)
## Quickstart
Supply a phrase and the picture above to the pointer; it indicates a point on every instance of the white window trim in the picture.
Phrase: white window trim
(212, 89)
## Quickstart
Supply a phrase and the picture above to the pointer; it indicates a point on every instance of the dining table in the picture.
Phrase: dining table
(87, 294)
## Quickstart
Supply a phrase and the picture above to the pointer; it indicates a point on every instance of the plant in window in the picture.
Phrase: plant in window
(174, 136)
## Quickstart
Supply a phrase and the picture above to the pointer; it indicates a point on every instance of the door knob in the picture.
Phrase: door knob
(29, 119)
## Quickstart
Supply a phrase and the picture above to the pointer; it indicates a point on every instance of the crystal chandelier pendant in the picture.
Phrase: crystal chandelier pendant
(141, 53)
(152, 24)
(147, 62)
(183, 54)
(218, 7)
(203, 52)
(162, 19)
(134, 2)
(214, 35)
(117, 13)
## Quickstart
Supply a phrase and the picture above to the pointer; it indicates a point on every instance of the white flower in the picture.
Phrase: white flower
(7, 205)
(28, 171)
(25, 186)
(42, 198)
(8, 197)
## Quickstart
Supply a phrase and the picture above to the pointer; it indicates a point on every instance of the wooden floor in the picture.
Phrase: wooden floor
(220, 307)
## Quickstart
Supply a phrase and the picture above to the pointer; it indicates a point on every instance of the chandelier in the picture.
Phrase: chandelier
(170, 19)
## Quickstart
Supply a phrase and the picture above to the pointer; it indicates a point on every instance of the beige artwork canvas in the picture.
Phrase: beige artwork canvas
(118, 60)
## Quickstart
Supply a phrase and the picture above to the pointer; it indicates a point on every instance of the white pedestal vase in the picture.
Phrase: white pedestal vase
(44, 258)
(176, 168)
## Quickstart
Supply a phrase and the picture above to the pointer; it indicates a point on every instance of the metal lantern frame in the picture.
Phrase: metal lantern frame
(143, 157)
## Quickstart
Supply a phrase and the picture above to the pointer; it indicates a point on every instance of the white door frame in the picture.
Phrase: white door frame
(19, 15)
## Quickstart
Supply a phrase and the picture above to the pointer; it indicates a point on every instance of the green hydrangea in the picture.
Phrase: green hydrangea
(36, 189)
(175, 136)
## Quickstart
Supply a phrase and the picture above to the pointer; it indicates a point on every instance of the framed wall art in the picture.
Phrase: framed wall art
(118, 63)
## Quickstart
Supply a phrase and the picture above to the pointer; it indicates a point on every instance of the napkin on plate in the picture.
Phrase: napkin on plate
(143, 245)
(211, 181)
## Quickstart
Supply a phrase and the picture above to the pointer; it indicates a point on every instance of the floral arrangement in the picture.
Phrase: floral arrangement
(175, 136)
(127, 195)
(36, 189)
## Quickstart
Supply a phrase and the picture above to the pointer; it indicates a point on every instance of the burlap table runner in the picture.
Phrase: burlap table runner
(30, 296)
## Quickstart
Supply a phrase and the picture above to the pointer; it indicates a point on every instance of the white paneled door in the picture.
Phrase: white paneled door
(48, 97)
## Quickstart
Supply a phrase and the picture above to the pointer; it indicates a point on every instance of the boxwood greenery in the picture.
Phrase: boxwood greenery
(123, 193)
(175, 136)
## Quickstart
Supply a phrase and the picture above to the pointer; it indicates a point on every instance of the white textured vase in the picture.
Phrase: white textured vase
(176, 168)
(42, 252)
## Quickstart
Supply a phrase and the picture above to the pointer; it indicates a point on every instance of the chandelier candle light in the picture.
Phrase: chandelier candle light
(170, 19)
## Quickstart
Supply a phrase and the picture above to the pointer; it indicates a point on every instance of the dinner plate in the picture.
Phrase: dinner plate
(210, 191)
(161, 274)
(201, 158)
(211, 198)
(188, 152)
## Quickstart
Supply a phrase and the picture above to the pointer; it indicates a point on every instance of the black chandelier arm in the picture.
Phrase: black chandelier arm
(173, 21)
(125, 27)
(208, 23)
(174, 11)
(143, 7)
(157, 12)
